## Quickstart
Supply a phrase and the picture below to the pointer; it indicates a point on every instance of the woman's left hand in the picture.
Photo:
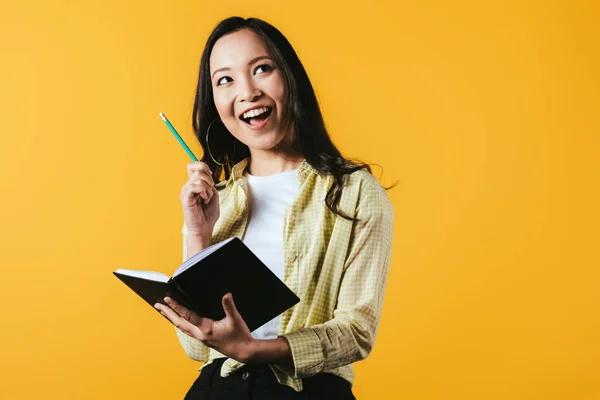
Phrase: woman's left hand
(229, 336)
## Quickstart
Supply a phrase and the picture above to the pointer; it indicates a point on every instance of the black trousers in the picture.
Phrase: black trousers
(257, 382)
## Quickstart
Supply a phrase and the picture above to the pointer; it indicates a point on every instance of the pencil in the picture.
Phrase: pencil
(179, 139)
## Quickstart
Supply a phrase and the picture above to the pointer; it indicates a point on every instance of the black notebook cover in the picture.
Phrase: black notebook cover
(259, 295)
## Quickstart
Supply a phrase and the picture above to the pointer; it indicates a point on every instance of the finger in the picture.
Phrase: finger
(201, 177)
(197, 189)
(200, 326)
(212, 192)
(184, 312)
(191, 190)
(229, 306)
(183, 325)
(198, 166)
(169, 313)
(199, 173)
(188, 198)
(215, 193)
(209, 195)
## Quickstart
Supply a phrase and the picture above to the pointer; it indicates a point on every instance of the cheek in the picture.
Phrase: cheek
(223, 107)
(279, 90)
(275, 88)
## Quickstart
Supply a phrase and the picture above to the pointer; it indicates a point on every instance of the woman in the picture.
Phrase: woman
(321, 223)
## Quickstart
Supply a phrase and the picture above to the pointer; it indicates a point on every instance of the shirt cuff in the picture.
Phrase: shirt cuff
(192, 347)
(307, 353)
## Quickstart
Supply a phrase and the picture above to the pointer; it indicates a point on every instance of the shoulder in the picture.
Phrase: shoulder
(371, 196)
(364, 183)
(361, 177)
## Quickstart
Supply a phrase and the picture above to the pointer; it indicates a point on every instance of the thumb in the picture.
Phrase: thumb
(229, 305)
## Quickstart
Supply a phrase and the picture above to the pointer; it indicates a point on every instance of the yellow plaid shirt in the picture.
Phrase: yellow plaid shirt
(336, 267)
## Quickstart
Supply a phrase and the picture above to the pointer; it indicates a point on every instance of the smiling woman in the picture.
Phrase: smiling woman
(248, 87)
(321, 223)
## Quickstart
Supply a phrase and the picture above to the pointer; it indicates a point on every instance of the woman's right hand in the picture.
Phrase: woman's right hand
(200, 200)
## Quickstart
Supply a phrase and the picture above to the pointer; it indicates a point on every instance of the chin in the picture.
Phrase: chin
(259, 140)
(263, 145)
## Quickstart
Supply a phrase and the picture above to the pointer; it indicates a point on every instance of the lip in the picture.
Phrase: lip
(259, 126)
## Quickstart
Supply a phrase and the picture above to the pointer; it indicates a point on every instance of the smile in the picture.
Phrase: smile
(256, 118)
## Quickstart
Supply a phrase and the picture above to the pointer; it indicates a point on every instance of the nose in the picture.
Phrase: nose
(248, 91)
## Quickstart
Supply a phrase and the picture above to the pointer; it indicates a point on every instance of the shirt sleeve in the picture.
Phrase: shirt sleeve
(350, 335)
(192, 347)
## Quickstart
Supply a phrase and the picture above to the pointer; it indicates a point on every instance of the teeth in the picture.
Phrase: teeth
(255, 112)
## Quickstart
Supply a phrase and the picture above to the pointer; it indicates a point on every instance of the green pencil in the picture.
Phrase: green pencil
(179, 139)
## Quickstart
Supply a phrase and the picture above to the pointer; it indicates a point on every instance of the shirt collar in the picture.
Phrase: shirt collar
(238, 169)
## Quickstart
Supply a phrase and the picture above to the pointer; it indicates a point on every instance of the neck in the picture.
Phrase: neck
(273, 161)
(265, 164)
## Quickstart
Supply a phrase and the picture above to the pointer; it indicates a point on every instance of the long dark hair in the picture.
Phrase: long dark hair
(304, 117)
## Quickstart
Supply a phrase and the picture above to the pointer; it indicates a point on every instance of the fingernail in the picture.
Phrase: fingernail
(167, 300)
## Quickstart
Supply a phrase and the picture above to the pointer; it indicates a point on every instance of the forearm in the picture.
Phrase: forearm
(196, 243)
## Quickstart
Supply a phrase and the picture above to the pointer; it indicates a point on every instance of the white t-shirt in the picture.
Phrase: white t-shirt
(269, 196)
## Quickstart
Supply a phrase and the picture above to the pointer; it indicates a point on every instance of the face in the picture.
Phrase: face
(249, 91)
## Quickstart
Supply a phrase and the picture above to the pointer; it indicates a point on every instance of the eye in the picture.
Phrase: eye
(264, 67)
(220, 80)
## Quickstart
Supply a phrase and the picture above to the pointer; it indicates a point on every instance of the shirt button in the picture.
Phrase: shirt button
(245, 375)
(292, 217)
(292, 256)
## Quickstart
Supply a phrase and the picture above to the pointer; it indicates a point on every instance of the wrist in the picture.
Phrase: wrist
(200, 235)
(249, 352)
(197, 241)
(269, 351)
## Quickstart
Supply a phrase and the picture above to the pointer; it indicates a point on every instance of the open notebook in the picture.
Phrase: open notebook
(201, 282)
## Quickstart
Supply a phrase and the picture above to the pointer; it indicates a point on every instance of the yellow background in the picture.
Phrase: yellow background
(487, 115)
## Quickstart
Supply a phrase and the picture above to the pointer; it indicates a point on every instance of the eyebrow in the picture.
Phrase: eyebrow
(255, 59)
